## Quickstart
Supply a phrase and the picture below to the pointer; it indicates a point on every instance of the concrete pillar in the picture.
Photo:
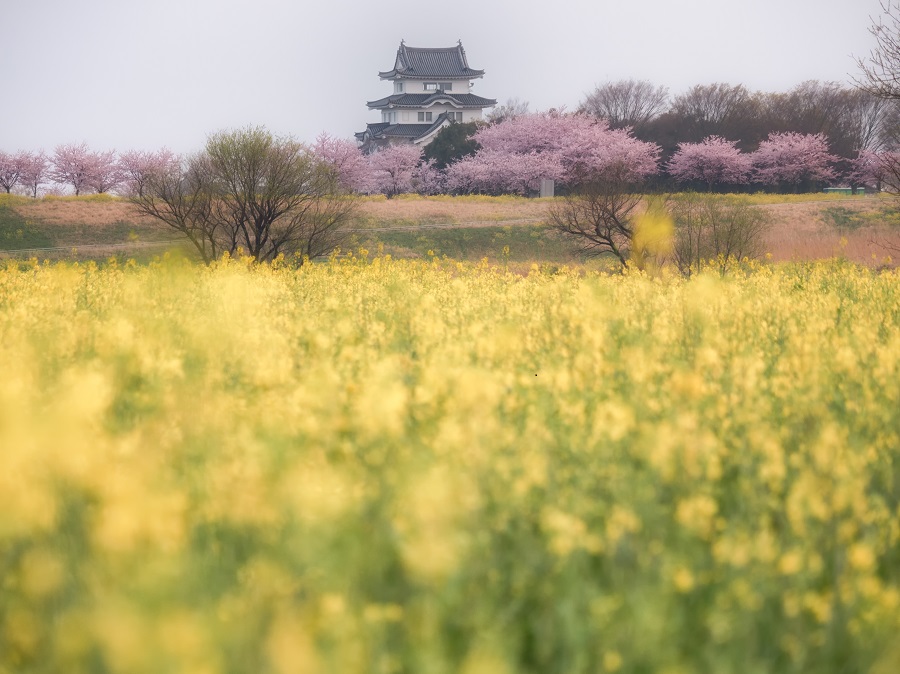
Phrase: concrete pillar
(547, 187)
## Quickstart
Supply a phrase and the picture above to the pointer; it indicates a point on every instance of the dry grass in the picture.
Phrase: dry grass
(83, 212)
(469, 210)
(798, 232)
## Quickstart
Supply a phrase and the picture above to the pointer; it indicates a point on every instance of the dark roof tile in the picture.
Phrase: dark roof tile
(424, 100)
(411, 131)
(437, 63)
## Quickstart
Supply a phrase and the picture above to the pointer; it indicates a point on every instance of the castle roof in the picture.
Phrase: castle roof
(444, 63)
(426, 100)
(413, 132)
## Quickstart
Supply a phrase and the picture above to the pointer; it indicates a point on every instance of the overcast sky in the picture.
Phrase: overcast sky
(143, 74)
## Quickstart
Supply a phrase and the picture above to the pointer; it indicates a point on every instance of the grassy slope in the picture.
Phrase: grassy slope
(805, 226)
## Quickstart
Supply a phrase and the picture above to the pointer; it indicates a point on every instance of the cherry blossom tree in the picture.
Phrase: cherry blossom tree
(876, 170)
(867, 169)
(135, 167)
(572, 149)
(590, 151)
(715, 161)
(393, 168)
(35, 170)
(84, 170)
(353, 169)
(793, 160)
(428, 179)
(498, 172)
(11, 170)
(72, 165)
(105, 172)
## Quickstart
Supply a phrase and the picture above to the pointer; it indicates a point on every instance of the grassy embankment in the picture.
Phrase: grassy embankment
(503, 229)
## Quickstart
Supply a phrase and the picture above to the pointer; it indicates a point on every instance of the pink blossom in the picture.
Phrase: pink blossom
(393, 168)
(135, 166)
(106, 173)
(517, 153)
(791, 159)
(715, 161)
(353, 169)
(498, 172)
(427, 179)
(77, 166)
(35, 167)
(11, 170)
(871, 169)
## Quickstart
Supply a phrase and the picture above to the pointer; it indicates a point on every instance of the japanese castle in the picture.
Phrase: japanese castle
(431, 90)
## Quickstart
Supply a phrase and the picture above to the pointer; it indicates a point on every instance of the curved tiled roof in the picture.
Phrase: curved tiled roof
(431, 62)
(425, 100)
(411, 131)
(405, 130)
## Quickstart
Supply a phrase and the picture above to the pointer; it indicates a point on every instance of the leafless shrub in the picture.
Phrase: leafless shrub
(712, 229)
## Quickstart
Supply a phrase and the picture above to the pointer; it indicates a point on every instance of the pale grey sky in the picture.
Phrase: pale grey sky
(142, 74)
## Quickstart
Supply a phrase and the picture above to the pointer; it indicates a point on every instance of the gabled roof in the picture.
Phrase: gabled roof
(372, 129)
(405, 130)
(414, 132)
(426, 137)
(426, 100)
(445, 63)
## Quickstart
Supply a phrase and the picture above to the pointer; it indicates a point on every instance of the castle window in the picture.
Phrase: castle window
(398, 87)
(424, 116)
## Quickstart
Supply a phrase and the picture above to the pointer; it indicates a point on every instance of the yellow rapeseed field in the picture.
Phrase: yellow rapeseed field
(414, 467)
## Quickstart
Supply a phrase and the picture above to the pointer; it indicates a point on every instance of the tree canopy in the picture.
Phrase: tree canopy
(452, 143)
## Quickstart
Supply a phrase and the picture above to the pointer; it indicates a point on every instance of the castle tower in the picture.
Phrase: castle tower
(431, 89)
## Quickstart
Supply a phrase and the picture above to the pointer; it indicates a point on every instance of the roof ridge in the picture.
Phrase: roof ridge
(431, 62)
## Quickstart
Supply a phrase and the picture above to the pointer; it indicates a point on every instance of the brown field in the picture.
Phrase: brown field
(82, 212)
(468, 211)
(799, 232)
(799, 229)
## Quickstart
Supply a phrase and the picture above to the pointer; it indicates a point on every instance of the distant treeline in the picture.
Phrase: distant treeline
(853, 120)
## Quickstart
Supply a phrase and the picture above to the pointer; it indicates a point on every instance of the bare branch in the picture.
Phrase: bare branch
(252, 191)
(881, 70)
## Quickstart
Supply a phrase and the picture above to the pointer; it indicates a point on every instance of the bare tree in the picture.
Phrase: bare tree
(181, 195)
(717, 109)
(626, 103)
(510, 110)
(881, 78)
(849, 118)
(600, 214)
(718, 230)
(881, 70)
(866, 121)
(250, 190)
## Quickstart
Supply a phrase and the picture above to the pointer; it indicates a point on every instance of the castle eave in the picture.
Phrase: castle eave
(410, 101)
